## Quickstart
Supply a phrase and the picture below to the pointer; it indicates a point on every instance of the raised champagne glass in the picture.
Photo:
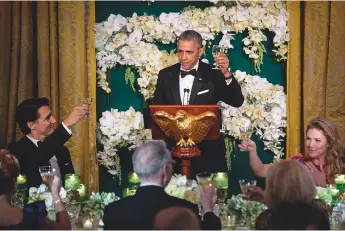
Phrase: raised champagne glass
(86, 102)
(245, 184)
(204, 179)
(246, 132)
(216, 49)
(46, 172)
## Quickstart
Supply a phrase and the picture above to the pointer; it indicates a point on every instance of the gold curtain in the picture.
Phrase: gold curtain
(316, 71)
(62, 43)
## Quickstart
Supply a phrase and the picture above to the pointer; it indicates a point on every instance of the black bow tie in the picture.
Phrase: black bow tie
(191, 72)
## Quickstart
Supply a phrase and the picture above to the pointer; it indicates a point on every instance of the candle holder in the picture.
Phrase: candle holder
(133, 180)
(339, 180)
(128, 192)
(72, 182)
(222, 185)
(21, 182)
(83, 192)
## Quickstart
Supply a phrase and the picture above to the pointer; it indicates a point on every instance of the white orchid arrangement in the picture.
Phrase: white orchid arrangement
(98, 201)
(129, 41)
(118, 130)
(264, 110)
(42, 194)
(244, 208)
(182, 188)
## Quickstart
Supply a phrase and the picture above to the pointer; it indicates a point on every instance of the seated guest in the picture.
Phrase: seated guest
(298, 216)
(286, 181)
(32, 216)
(176, 218)
(324, 156)
(42, 144)
(154, 166)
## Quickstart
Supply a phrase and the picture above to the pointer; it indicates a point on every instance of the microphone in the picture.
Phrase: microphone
(187, 96)
(184, 95)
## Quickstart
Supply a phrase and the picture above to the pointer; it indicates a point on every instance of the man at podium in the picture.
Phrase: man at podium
(191, 82)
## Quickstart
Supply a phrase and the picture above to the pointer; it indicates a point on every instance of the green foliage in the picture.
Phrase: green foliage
(130, 77)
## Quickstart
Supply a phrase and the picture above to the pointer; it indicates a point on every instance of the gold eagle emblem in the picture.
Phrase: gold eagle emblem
(188, 130)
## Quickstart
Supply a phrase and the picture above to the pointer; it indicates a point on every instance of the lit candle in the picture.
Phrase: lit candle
(83, 192)
(133, 178)
(221, 179)
(21, 179)
(72, 182)
(87, 224)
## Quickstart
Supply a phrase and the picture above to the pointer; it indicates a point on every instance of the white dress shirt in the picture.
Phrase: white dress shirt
(53, 161)
(187, 83)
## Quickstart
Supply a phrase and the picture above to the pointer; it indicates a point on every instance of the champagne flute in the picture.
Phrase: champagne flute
(86, 102)
(216, 49)
(204, 179)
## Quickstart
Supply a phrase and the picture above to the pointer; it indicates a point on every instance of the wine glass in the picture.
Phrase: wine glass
(46, 171)
(246, 132)
(86, 102)
(245, 184)
(73, 211)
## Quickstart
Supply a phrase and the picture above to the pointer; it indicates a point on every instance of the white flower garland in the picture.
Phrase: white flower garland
(264, 110)
(129, 41)
(118, 130)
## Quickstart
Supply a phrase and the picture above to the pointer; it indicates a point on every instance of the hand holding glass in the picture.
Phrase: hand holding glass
(204, 179)
(245, 184)
(86, 102)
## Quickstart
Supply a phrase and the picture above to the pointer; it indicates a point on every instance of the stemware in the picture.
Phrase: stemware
(204, 179)
(86, 102)
(245, 184)
(46, 172)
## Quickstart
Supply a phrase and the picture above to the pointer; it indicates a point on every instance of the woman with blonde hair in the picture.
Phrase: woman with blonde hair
(32, 216)
(324, 153)
(286, 181)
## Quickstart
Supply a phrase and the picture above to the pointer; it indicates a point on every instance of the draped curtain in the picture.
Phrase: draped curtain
(316, 70)
(48, 51)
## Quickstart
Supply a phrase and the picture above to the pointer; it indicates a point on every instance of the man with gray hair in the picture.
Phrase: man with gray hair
(191, 82)
(153, 163)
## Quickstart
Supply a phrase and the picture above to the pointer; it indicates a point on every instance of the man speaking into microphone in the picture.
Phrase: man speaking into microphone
(191, 82)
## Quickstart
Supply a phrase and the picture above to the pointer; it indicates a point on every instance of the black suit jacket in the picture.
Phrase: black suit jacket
(207, 78)
(31, 157)
(137, 212)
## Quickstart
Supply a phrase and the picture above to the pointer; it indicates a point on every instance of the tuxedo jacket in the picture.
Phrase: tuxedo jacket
(31, 157)
(137, 212)
(209, 87)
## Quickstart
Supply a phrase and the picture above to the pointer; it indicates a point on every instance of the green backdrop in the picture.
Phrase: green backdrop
(122, 96)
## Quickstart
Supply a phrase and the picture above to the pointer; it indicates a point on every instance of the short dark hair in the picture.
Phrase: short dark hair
(298, 216)
(27, 111)
(191, 35)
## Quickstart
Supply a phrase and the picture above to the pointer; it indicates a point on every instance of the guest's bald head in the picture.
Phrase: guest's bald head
(176, 218)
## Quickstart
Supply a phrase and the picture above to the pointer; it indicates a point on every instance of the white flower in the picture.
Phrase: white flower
(114, 23)
(135, 36)
(180, 23)
(167, 18)
(276, 114)
(225, 41)
(205, 61)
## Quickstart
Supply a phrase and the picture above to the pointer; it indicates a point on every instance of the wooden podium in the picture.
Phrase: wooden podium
(184, 154)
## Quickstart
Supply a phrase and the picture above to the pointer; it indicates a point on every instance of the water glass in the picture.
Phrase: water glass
(339, 180)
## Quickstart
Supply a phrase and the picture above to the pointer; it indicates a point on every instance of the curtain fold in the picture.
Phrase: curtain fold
(48, 51)
(316, 72)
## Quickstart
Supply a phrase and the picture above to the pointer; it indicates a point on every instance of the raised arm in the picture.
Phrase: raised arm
(259, 169)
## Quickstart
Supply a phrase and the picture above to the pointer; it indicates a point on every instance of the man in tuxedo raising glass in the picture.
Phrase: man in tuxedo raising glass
(43, 144)
(191, 82)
